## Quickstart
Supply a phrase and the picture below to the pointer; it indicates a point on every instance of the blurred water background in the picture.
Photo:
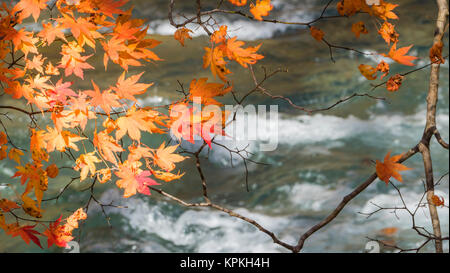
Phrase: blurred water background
(320, 158)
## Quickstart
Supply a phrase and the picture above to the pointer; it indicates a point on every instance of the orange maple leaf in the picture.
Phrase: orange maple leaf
(394, 83)
(128, 88)
(49, 33)
(215, 59)
(384, 10)
(181, 34)
(107, 146)
(436, 53)
(399, 55)
(72, 61)
(165, 157)
(390, 168)
(166, 176)
(206, 91)
(317, 33)
(60, 140)
(358, 28)
(59, 234)
(243, 56)
(383, 67)
(387, 31)
(136, 121)
(368, 71)
(262, 8)
(30, 7)
(106, 99)
(134, 180)
(86, 163)
(8, 205)
(438, 201)
(238, 3)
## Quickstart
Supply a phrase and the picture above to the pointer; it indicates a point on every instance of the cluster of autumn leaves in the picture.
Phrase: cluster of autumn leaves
(79, 27)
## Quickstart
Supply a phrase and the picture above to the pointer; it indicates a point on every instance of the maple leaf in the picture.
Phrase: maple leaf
(39, 82)
(262, 8)
(49, 33)
(144, 181)
(219, 36)
(106, 100)
(165, 158)
(128, 88)
(15, 154)
(22, 40)
(351, 7)
(383, 67)
(436, 53)
(317, 33)
(37, 63)
(138, 152)
(37, 142)
(3, 152)
(384, 10)
(72, 61)
(167, 176)
(8, 205)
(390, 168)
(104, 175)
(84, 31)
(215, 59)
(30, 208)
(61, 140)
(243, 56)
(399, 55)
(72, 220)
(124, 31)
(59, 234)
(3, 138)
(30, 7)
(181, 34)
(86, 163)
(136, 121)
(187, 122)
(438, 201)
(110, 7)
(107, 146)
(54, 234)
(15, 89)
(368, 71)
(394, 83)
(79, 112)
(61, 92)
(133, 180)
(206, 91)
(238, 3)
(113, 49)
(387, 31)
(358, 28)
(51, 70)
(27, 233)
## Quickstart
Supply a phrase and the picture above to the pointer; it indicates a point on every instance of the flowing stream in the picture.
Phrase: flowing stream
(319, 159)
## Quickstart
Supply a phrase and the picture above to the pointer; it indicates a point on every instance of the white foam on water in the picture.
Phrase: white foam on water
(327, 130)
(205, 230)
(242, 28)
(312, 197)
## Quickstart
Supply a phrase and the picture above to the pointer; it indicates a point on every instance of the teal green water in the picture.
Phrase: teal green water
(319, 159)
